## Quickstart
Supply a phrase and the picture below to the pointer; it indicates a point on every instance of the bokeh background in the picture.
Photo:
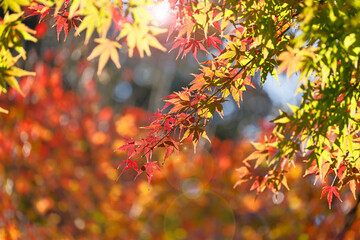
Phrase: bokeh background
(58, 169)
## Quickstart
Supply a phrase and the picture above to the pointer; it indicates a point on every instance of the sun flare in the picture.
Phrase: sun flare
(161, 13)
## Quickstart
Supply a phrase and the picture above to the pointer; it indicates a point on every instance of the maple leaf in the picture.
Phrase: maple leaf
(187, 28)
(168, 124)
(62, 22)
(260, 155)
(214, 41)
(292, 60)
(10, 74)
(141, 37)
(259, 184)
(170, 146)
(106, 49)
(187, 45)
(148, 146)
(169, 151)
(195, 134)
(92, 19)
(330, 190)
(244, 175)
(149, 168)
(130, 147)
(39, 10)
(130, 164)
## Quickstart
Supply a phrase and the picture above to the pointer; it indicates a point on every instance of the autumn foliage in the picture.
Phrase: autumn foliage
(316, 41)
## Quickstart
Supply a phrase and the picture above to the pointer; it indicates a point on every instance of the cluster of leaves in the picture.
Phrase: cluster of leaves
(235, 60)
(324, 130)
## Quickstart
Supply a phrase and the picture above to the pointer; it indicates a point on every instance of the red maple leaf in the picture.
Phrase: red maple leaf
(169, 124)
(130, 164)
(39, 9)
(214, 41)
(330, 190)
(130, 147)
(62, 22)
(149, 168)
(187, 45)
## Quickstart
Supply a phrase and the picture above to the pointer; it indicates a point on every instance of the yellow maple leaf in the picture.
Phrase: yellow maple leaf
(105, 50)
(141, 37)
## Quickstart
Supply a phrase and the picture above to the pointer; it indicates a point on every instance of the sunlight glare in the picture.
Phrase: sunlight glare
(161, 13)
